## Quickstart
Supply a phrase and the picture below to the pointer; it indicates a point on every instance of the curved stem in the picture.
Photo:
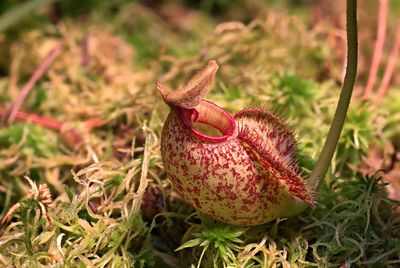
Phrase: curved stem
(332, 139)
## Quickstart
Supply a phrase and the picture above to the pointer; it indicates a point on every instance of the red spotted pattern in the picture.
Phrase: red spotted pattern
(243, 180)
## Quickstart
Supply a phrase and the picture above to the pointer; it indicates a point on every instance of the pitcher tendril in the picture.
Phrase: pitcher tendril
(332, 139)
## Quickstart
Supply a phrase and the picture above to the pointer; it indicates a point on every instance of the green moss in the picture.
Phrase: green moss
(39, 141)
(274, 62)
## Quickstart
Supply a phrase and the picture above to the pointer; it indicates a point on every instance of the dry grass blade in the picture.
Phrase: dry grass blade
(13, 110)
(390, 67)
(378, 50)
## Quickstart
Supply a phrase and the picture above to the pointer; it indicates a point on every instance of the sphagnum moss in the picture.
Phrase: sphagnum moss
(95, 220)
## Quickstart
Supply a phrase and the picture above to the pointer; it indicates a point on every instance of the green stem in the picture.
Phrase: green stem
(14, 15)
(331, 142)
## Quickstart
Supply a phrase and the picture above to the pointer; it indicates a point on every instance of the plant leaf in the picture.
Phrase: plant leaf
(191, 94)
(191, 243)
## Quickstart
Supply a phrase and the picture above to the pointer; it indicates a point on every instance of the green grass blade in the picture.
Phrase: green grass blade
(16, 14)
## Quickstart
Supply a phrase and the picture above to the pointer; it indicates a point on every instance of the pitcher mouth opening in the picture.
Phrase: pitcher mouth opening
(209, 121)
